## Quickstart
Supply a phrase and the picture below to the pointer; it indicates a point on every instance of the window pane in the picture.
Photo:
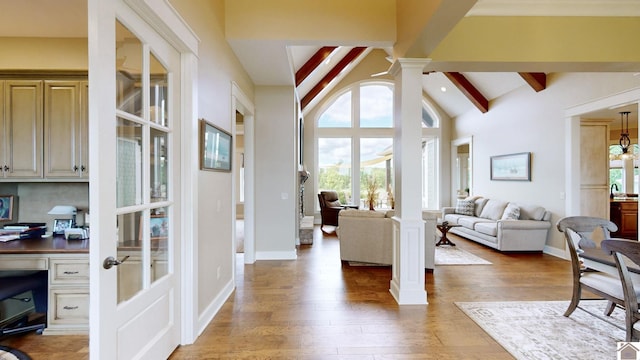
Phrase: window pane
(376, 173)
(129, 163)
(427, 120)
(128, 71)
(376, 106)
(159, 234)
(338, 115)
(158, 94)
(130, 272)
(334, 162)
(430, 173)
(159, 166)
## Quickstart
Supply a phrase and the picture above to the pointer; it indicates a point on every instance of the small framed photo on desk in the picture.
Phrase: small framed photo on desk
(6, 207)
(59, 225)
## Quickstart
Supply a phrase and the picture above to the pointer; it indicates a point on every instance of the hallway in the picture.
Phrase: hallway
(316, 308)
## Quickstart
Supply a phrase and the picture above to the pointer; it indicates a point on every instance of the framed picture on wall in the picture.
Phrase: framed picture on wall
(215, 148)
(6, 207)
(515, 167)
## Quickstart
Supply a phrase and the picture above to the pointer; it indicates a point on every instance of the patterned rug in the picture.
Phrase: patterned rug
(537, 330)
(453, 255)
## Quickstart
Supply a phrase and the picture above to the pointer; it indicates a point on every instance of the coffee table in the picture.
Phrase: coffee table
(444, 227)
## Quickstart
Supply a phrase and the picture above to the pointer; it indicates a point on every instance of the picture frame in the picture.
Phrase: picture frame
(158, 227)
(6, 207)
(59, 225)
(511, 167)
(215, 148)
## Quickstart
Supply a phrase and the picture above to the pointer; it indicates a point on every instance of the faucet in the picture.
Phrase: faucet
(612, 186)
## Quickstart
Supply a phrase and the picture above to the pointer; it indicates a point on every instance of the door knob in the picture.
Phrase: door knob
(111, 262)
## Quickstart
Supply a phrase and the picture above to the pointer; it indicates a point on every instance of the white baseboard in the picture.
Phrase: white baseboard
(276, 255)
(554, 252)
(210, 312)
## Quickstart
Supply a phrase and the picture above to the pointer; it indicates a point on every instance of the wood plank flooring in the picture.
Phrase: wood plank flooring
(316, 308)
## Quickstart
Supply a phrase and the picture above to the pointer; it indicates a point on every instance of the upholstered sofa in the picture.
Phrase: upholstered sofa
(502, 225)
(367, 236)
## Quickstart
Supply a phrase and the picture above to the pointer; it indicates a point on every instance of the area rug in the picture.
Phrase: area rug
(7, 353)
(453, 255)
(537, 330)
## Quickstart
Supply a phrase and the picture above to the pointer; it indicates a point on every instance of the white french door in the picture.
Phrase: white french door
(134, 91)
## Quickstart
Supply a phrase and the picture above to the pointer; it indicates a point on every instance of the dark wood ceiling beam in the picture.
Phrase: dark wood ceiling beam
(469, 90)
(538, 81)
(335, 71)
(313, 62)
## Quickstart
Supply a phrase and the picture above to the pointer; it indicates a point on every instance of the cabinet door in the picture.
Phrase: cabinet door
(84, 129)
(62, 127)
(4, 144)
(23, 129)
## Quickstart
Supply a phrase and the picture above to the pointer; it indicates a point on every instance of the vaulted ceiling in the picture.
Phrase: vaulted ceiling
(479, 50)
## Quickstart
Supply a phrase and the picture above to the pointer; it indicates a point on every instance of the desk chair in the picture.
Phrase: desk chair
(12, 286)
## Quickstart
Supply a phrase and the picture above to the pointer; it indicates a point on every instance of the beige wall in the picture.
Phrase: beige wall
(526, 121)
(43, 53)
(218, 67)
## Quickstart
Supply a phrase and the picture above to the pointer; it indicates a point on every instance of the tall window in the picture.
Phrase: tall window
(354, 137)
(617, 170)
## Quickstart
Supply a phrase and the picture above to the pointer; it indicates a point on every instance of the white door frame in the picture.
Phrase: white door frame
(572, 145)
(166, 21)
(242, 104)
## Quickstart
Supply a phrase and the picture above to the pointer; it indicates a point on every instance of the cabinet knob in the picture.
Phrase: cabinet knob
(75, 168)
(83, 168)
(5, 168)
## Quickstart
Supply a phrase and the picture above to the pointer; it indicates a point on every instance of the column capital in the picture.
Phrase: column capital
(408, 63)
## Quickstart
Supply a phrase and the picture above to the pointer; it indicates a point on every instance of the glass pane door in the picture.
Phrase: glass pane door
(144, 203)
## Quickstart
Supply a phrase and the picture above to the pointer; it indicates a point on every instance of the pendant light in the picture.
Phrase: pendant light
(625, 142)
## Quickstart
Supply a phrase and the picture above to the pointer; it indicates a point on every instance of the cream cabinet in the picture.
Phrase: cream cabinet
(65, 129)
(21, 128)
(44, 129)
(68, 284)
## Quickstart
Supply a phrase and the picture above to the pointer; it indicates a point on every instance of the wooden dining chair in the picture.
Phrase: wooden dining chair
(627, 254)
(577, 231)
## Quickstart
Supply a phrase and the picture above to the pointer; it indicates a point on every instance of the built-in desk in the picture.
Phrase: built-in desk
(67, 262)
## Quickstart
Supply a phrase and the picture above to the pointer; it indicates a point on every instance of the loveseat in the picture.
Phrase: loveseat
(502, 225)
(367, 236)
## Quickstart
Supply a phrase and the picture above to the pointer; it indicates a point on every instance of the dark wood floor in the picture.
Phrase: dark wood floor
(316, 308)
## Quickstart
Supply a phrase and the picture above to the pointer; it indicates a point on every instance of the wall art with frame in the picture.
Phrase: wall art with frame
(6, 207)
(513, 167)
(215, 148)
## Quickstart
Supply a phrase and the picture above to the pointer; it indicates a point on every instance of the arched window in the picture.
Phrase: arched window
(355, 131)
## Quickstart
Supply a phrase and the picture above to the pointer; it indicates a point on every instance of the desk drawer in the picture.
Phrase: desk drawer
(69, 306)
(23, 263)
(69, 271)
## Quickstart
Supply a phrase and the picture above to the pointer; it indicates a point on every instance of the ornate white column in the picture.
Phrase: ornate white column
(407, 282)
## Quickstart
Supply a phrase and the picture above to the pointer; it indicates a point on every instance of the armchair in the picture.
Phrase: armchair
(330, 206)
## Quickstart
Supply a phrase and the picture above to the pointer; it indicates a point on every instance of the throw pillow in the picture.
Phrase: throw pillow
(511, 212)
(465, 207)
(493, 209)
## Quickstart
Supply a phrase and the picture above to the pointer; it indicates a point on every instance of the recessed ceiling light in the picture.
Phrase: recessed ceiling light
(443, 89)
